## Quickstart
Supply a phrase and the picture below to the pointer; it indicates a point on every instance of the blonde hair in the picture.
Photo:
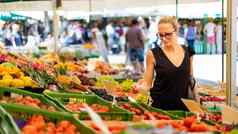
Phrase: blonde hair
(170, 20)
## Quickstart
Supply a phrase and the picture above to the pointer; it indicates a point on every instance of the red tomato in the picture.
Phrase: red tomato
(29, 129)
(188, 121)
(198, 127)
(51, 128)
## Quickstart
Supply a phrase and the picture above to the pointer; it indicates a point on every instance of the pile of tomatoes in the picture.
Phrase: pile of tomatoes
(28, 101)
(189, 124)
(77, 106)
(139, 114)
(38, 125)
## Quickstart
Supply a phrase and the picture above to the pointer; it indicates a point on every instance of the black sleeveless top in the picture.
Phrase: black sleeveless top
(171, 82)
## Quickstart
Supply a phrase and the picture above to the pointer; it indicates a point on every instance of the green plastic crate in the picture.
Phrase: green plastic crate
(115, 113)
(182, 114)
(7, 124)
(42, 98)
(24, 113)
(152, 109)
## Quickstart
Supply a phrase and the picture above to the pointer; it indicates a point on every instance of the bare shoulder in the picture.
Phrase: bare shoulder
(150, 56)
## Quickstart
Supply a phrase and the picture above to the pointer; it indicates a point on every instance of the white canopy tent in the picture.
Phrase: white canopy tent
(92, 5)
(81, 8)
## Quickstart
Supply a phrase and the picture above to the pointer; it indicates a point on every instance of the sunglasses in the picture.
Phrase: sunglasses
(166, 35)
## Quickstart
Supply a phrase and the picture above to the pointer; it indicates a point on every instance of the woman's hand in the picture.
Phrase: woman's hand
(142, 86)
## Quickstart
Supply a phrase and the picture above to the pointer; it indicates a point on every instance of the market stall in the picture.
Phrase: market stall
(63, 93)
(56, 92)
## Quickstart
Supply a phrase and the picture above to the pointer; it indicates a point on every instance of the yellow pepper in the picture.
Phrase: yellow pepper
(17, 83)
(7, 76)
(6, 82)
(28, 82)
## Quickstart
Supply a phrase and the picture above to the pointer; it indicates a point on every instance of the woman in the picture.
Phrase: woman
(173, 66)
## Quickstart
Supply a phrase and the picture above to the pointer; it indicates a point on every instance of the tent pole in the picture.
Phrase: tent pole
(90, 9)
(177, 9)
(223, 42)
(55, 25)
(231, 52)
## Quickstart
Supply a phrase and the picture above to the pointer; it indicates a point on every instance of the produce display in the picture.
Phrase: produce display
(74, 103)
(115, 127)
(111, 87)
(12, 76)
(26, 100)
(211, 98)
(105, 95)
(139, 114)
(84, 79)
(37, 124)
(143, 99)
(76, 107)
(104, 68)
(215, 117)
(72, 67)
(186, 126)
(65, 81)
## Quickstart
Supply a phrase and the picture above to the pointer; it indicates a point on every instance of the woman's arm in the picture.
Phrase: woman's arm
(149, 73)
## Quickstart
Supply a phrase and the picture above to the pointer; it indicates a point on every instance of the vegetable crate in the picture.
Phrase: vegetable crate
(143, 110)
(114, 112)
(152, 109)
(184, 114)
(181, 114)
(21, 114)
(12, 92)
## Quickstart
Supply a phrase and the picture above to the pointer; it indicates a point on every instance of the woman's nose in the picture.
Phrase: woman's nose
(162, 38)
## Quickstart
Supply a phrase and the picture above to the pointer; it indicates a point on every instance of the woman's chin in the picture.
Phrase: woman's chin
(167, 44)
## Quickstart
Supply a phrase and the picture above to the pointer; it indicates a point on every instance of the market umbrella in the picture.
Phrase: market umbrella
(8, 16)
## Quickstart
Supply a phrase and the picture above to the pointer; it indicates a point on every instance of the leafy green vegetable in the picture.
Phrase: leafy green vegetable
(106, 81)
(127, 85)
(41, 77)
(143, 98)
(62, 70)
(142, 126)
(8, 64)
(234, 131)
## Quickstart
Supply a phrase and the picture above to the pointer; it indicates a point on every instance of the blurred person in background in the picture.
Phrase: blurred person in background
(135, 46)
(41, 30)
(144, 25)
(99, 41)
(199, 41)
(32, 42)
(8, 38)
(154, 40)
(78, 33)
(219, 37)
(2, 23)
(181, 30)
(110, 34)
(17, 36)
(191, 34)
(66, 38)
(210, 32)
(31, 38)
